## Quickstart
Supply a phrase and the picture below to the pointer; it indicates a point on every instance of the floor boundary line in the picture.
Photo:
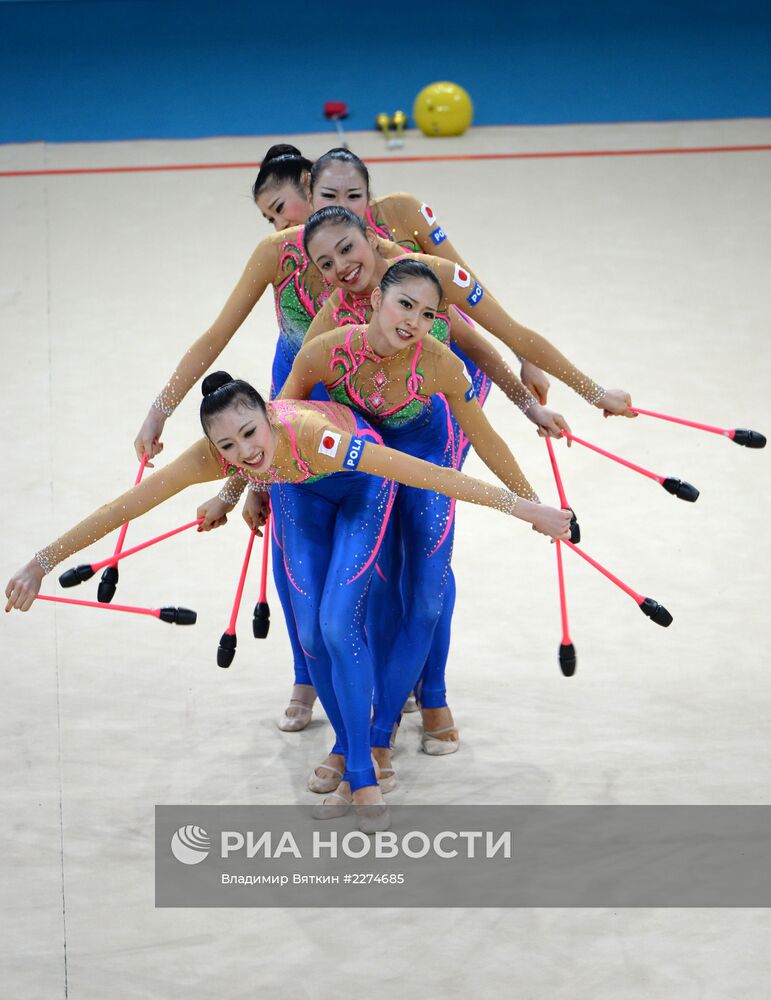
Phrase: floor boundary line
(446, 158)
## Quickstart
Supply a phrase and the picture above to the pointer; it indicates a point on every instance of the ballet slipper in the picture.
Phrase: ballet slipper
(294, 723)
(373, 817)
(335, 805)
(410, 705)
(387, 780)
(438, 748)
(324, 785)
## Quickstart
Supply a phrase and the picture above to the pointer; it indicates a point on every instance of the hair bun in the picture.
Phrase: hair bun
(281, 149)
(215, 381)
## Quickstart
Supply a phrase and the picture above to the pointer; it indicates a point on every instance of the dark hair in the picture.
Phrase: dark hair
(332, 215)
(339, 155)
(402, 269)
(221, 390)
(281, 163)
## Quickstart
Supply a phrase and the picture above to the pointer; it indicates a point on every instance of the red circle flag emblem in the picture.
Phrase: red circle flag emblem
(461, 277)
(428, 214)
(329, 443)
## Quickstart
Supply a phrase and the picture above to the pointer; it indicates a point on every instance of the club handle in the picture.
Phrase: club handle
(575, 528)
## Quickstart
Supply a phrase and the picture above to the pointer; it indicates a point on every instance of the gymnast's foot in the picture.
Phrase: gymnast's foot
(298, 713)
(335, 805)
(371, 810)
(385, 772)
(410, 704)
(327, 775)
(439, 733)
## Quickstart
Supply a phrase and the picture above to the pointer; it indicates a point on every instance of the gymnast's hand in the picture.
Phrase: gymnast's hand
(24, 586)
(256, 510)
(547, 520)
(214, 513)
(535, 380)
(615, 403)
(549, 422)
(148, 440)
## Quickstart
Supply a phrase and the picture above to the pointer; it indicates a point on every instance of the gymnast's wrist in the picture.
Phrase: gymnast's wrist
(42, 563)
(526, 510)
(593, 394)
(232, 491)
(163, 405)
(531, 409)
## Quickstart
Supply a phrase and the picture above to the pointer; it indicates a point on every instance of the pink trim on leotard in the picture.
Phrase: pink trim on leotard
(383, 526)
(370, 218)
(287, 252)
(351, 360)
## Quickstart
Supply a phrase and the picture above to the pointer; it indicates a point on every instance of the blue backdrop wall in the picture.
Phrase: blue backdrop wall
(75, 70)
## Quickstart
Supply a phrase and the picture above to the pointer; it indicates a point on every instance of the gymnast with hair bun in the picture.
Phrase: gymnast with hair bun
(281, 262)
(290, 187)
(331, 536)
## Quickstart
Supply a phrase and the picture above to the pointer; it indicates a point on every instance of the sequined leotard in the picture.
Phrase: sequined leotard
(332, 539)
(400, 395)
(462, 290)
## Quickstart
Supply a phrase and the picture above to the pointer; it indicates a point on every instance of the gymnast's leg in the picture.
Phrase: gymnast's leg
(364, 503)
(427, 527)
(307, 521)
(298, 713)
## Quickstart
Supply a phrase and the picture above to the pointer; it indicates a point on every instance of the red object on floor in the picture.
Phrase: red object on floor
(335, 109)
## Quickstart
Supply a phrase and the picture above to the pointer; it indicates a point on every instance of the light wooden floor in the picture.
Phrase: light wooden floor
(651, 272)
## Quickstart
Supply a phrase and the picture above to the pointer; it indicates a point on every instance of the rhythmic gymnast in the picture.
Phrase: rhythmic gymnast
(303, 443)
(289, 188)
(280, 262)
(339, 177)
(352, 258)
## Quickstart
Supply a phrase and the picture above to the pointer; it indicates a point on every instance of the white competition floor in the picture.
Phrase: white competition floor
(651, 272)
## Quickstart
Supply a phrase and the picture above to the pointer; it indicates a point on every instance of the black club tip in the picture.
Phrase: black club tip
(76, 575)
(656, 612)
(567, 656)
(261, 620)
(748, 439)
(226, 649)
(178, 616)
(575, 528)
(679, 488)
(107, 585)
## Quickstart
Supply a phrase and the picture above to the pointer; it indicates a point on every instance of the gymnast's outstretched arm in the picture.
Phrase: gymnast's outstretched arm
(355, 453)
(259, 273)
(463, 290)
(409, 216)
(199, 464)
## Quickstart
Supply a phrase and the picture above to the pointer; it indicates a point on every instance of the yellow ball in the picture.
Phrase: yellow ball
(443, 109)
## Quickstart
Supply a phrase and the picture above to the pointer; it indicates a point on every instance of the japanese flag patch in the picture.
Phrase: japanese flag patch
(461, 277)
(428, 214)
(330, 442)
